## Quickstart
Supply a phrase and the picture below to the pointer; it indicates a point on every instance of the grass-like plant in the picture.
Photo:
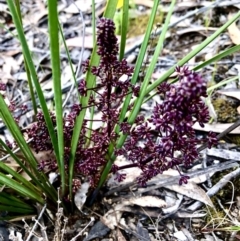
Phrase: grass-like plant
(82, 153)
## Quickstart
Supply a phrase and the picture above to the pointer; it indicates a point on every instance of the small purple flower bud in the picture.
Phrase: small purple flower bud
(82, 88)
(183, 180)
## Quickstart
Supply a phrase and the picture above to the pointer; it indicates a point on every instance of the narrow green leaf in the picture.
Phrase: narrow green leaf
(26, 66)
(56, 73)
(94, 22)
(15, 209)
(10, 200)
(32, 70)
(8, 170)
(69, 58)
(16, 133)
(217, 57)
(90, 78)
(139, 100)
(20, 180)
(192, 54)
(139, 62)
(124, 28)
(18, 187)
(159, 47)
(224, 82)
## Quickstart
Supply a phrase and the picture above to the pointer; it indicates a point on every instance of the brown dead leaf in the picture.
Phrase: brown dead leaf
(77, 42)
(231, 93)
(82, 5)
(223, 154)
(131, 173)
(120, 236)
(234, 32)
(66, 75)
(218, 128)
(36, 13)
(10, 65)
(146, 3)
(145, 201)
(174, 173)
(193, 191)
(81, 195)
(113, 216)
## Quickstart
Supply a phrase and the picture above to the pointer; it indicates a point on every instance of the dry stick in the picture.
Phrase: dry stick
(212, 191)
(154, 184)
(80, 233)
(221, 135)
(36, 223)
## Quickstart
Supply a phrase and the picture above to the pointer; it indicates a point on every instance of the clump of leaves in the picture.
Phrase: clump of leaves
(152, 143)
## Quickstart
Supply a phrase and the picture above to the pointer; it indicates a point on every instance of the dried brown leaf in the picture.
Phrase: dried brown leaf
(82, 5)
(193, 191)
(81, 195)
(113, 216)
(77, 42)
(234, 32)
(146, 3)
(120, 236)
(231, 93)
(145, 201)
(218, 128)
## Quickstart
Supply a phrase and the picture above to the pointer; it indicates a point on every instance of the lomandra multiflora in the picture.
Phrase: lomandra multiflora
(164, 140)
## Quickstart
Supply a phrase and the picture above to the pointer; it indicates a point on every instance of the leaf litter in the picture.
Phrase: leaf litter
(132, 208)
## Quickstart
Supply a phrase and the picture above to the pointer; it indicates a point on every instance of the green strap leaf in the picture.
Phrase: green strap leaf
(56, 75)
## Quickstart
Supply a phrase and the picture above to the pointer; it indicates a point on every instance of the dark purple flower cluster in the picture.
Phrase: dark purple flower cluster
(41, 140)
(113, 84)
(3, 87)
(165, 140)
(168, 139)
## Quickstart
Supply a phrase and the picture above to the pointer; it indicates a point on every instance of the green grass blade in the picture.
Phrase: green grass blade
(124, 25)
(15, 209)
(32, 70)
(220, 84)
(10, 200)
(31, 90)
(69, 57)
(192, 54)
(110, 9)
(15, 131)
(56, 75)
(94, 22)
(23, 166)
(17, 135)
(217, 57)
(139, 62)
(109, 13)
(139, 100)
(18, 187)
(22, 182)
(159, 47)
